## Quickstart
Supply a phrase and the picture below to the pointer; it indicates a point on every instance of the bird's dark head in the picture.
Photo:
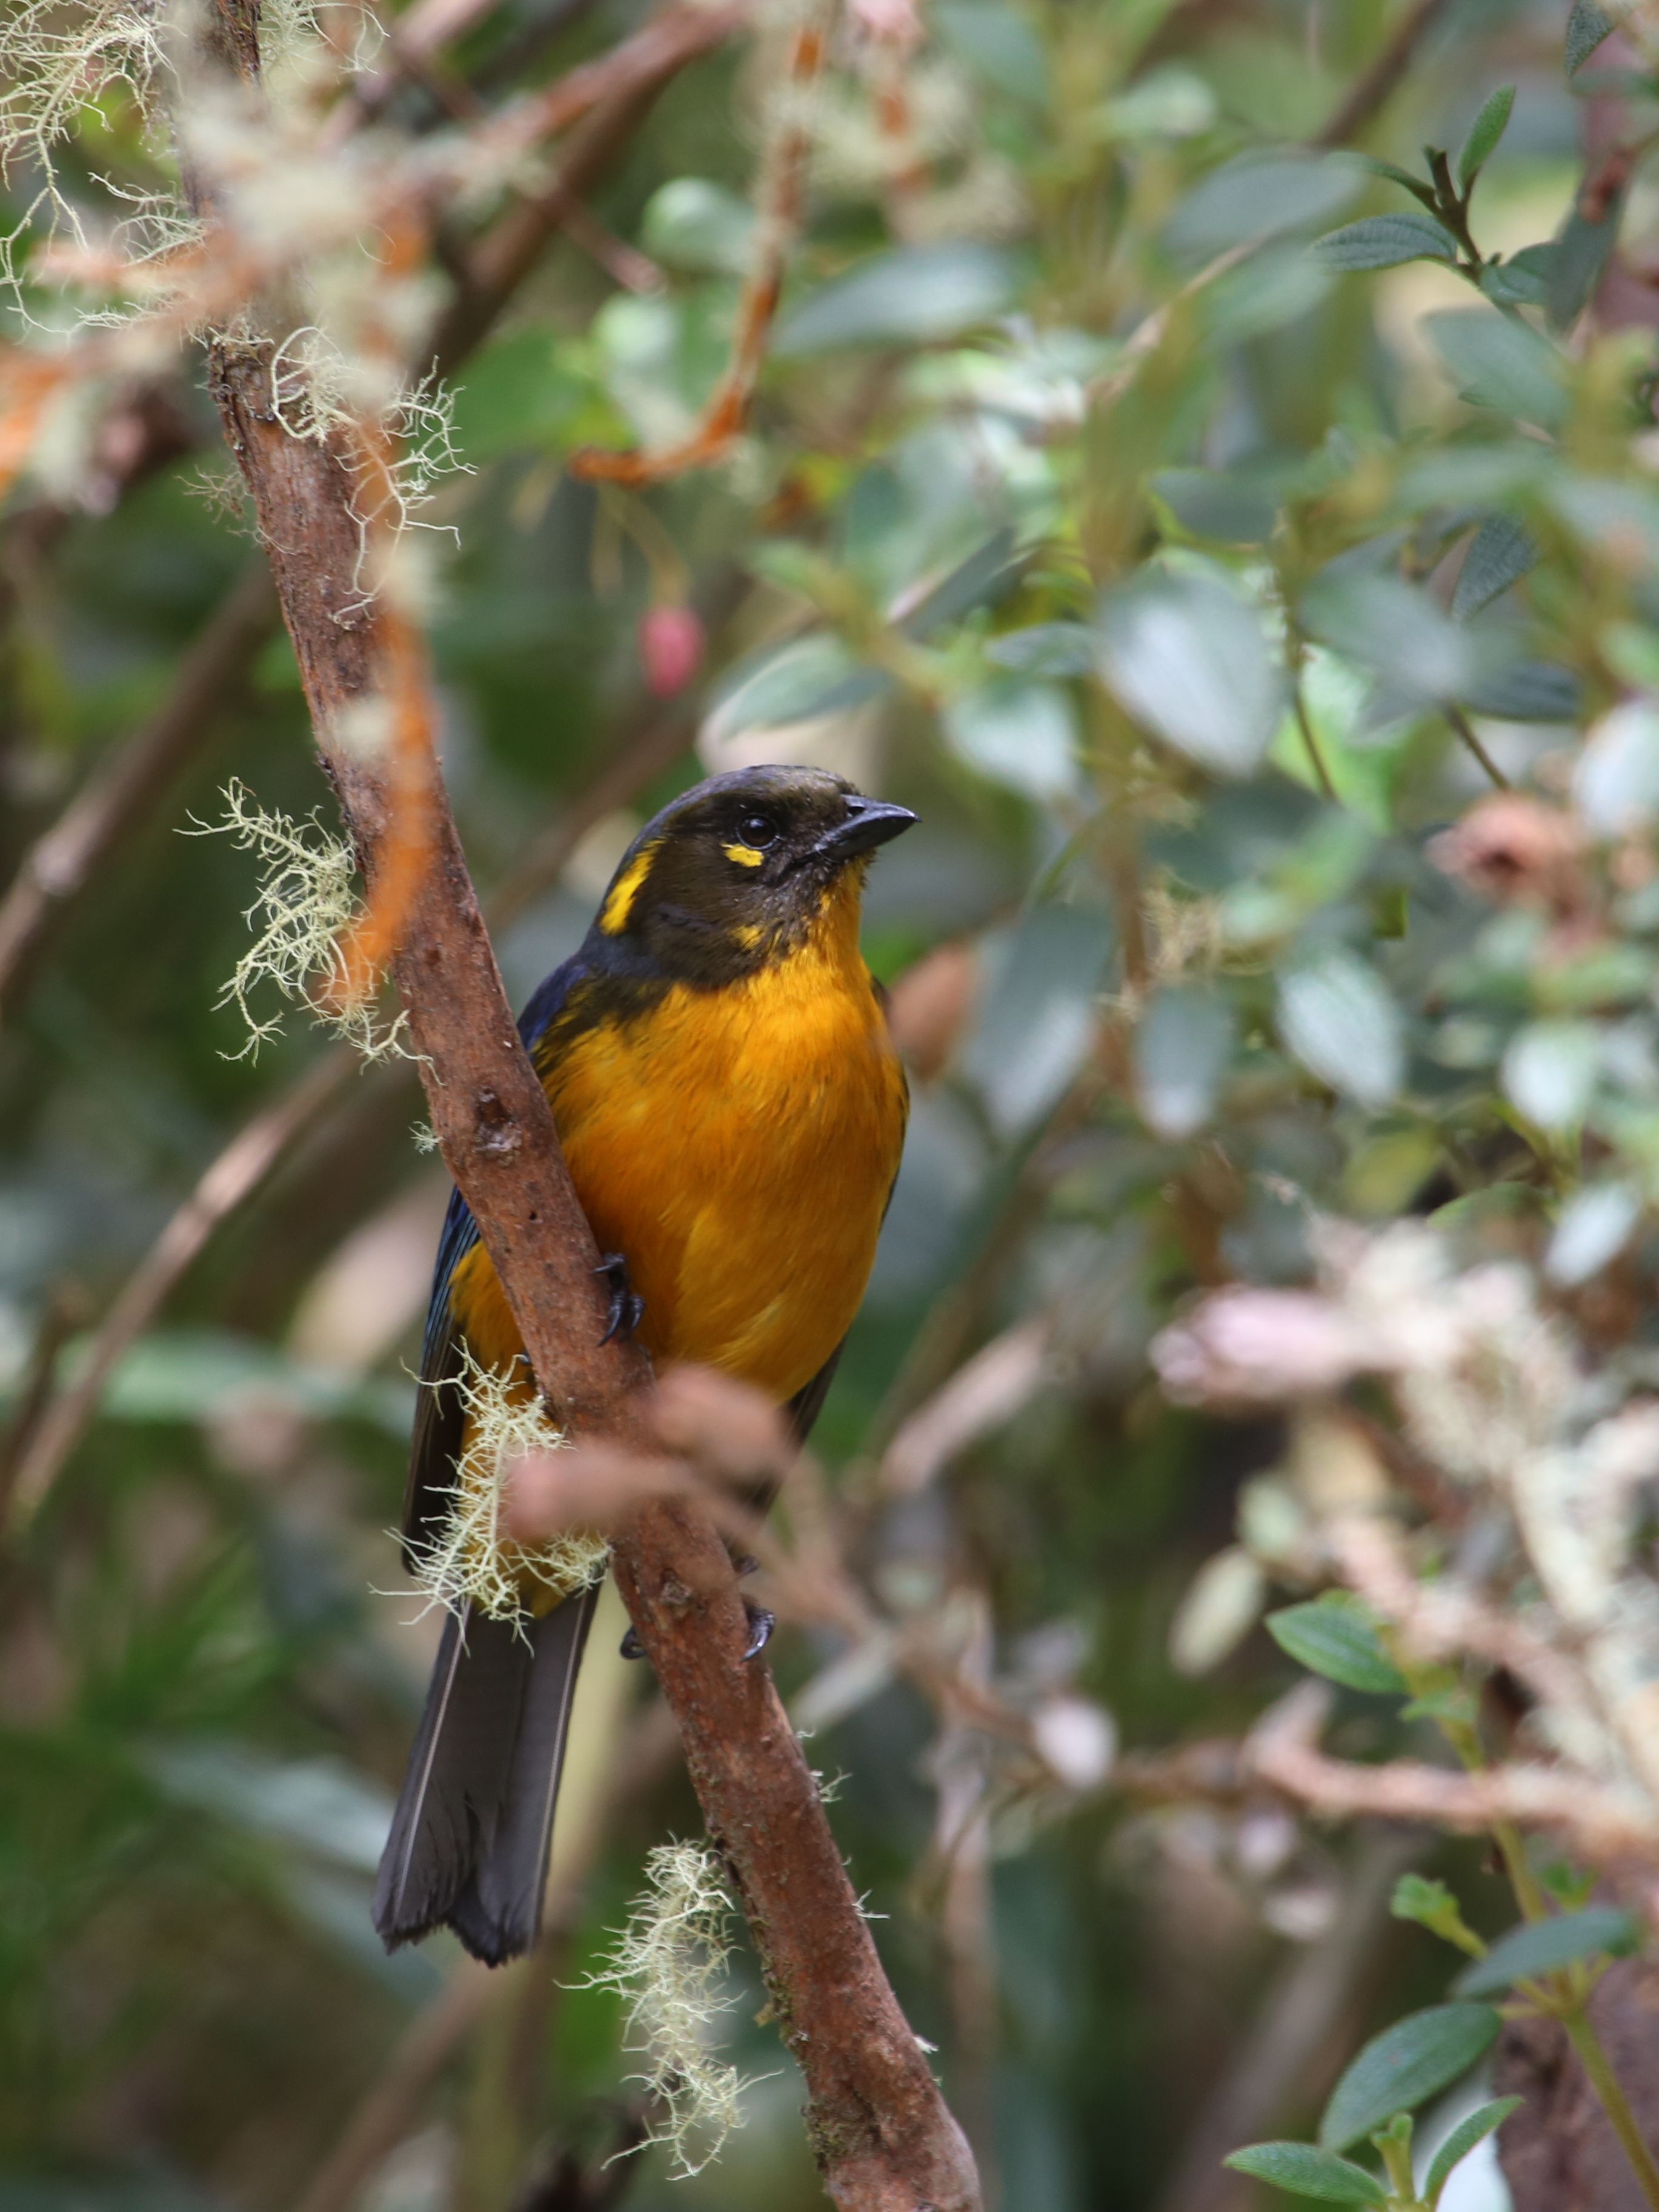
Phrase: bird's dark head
(741, 869)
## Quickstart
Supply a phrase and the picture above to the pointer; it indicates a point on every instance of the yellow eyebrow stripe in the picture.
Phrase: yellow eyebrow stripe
(619, 899)
(744, 855)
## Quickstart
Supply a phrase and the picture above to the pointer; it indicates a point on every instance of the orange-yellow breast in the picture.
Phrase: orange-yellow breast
(736, 1146)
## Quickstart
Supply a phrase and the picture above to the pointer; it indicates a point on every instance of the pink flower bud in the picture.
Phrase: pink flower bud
(671, 649)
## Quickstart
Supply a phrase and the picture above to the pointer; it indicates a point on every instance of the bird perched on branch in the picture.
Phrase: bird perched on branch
(732, 1111)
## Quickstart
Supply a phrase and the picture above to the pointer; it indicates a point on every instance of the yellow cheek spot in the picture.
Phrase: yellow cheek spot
(747, 935)
(619, 899)
(744, 855)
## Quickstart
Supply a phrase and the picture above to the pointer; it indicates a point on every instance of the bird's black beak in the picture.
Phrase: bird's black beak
(870, 822)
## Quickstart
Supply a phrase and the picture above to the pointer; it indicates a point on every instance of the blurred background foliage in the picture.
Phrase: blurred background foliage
(1190, 639)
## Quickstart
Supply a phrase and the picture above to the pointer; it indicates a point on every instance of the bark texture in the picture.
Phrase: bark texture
(883, 2136)
(1558, 2153)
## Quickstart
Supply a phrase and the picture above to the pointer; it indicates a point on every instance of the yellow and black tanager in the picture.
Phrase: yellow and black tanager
(731, 1109)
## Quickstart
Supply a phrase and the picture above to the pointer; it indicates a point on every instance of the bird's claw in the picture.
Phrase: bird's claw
(761, 1624)
(627, 1308)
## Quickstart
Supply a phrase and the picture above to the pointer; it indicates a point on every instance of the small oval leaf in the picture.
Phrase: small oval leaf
(1187, 655)
(1305, 2172)
(1408, 2062)
(1383, 241)
(1542, 1945)
(1473, 2128)
(1182, 1047)
(1339, 1019)
(1336, 1637)
(1501, 554)
(1484, 132)
(1501, 362)
(1587, 27)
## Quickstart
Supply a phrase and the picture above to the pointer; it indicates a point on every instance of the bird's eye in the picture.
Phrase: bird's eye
(758, 830)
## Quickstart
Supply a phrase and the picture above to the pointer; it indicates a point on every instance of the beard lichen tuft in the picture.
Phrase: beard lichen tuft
(669, 1969)
(307, 901)
(471, 1557)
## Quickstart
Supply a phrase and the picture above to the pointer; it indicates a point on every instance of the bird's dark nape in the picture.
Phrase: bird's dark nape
(471, 1836)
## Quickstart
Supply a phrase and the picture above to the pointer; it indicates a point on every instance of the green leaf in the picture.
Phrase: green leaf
(1523, 280)
(1484, 132)
(1383, 241)
(1183, 1044)
(1395, 175)
(1335, 1636)
(1406, 2063)
(1018, 732)
(1587, 27)
(1542, 1945)
(1473, 2128)
(1581, 252)
(1501, 363)
(1339, 1018)
(1305, 2172)
(1594, 1226)
(1615, 785)
(1432, 1905)
(1549, 1072)
(1259, 196)
(789, 683)
(1052, 649)
(912, 296)
(997, 44)
(693, 224)
(1187, 655)
(1500, 556)
(1527, 691)
(1214, 503)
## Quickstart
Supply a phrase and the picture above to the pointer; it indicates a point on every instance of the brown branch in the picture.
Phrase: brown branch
(1609, 1827)
(1372, 91)
(126, 786)
(778, 211)
(879, 2129)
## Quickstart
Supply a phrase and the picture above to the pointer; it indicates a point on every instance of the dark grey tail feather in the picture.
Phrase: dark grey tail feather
(470, 1838)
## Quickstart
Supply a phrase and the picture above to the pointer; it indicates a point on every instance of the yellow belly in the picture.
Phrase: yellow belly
(737, 1147)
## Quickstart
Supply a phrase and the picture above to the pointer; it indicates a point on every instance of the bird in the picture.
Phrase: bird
(732, 1111)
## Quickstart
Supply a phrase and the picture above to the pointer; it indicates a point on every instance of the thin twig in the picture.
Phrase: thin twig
(1465, 729)
(228, 1183)
(125, 788)
(1303, 723)
(779, 195)
(1372, 91)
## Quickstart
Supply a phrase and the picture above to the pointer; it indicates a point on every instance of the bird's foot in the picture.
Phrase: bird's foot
(761, 1624)
(627, 1307)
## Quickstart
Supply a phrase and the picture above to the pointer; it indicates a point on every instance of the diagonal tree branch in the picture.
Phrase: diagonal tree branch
(879, 2129)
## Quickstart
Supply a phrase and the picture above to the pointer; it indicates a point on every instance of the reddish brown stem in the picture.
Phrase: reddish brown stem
(779, 196)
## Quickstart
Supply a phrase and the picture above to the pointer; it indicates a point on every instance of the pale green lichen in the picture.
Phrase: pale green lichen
(470, 1559)
(307, 901)
(669, 1968)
